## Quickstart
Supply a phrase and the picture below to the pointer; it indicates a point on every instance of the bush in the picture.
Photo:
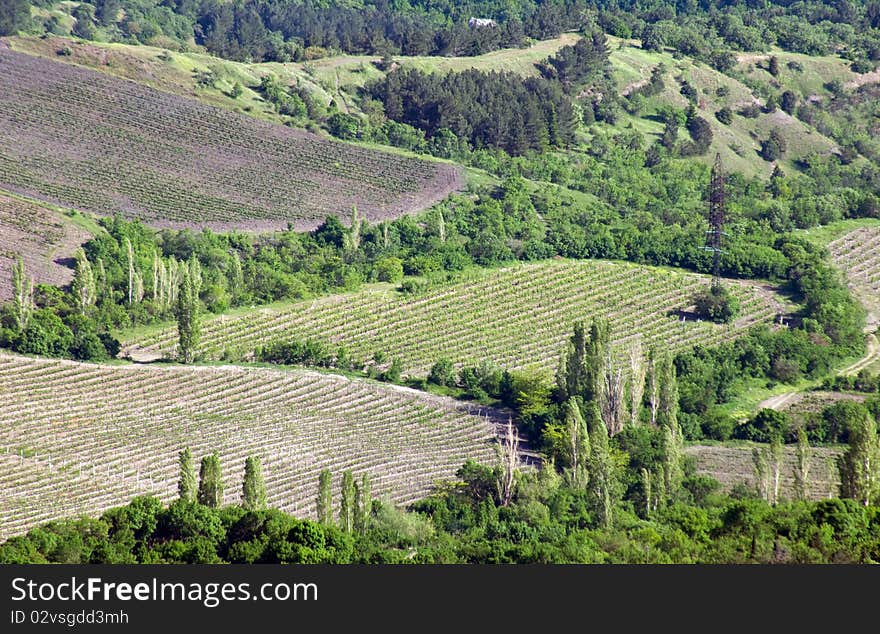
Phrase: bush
(442, 373)
(750, 111)
(716, 425)
(764, 426)
(773, 147)
(389, 269)
(725, 115)
(717, 304)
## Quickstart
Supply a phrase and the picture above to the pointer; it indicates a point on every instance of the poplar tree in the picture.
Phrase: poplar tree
(578, 441)
(612, 393)
(186, 485)
(236, 279)
(346, 503)
(801, 469)
(762, 473)
(210, 482)
(858, 466)
(645, 477)
(570, 378)
(157, 278)
(324, 502)
(668, 392)
(595, 357)
(22, 295)
(253, 490)
(353, 239)
(673, 452)
(188, 326)
(776, 455)
(363, 505)
(653, 386)
(636, 381)
(131, 272)
(508, 459)
(83, 285)
(100, 280)
(603, 483)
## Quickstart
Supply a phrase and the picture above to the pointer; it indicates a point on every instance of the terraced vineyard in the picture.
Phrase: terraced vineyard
(514, 316)
(90, 141)
(734, 465)
(78, 438)
(857, 254)
(40, 237)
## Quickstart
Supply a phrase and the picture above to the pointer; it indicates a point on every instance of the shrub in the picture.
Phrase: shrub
(442, 373)
(389, 269)
(717, 304)
(764, 426)
(725, 115)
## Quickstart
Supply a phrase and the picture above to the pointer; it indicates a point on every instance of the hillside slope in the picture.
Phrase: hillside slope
(515, 316)
(89, 141)
(41, 237)
(78, 438)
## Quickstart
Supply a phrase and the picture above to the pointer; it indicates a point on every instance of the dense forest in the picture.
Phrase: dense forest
(284, 30)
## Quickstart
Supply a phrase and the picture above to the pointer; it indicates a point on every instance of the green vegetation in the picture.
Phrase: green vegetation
(514, 316)
(560, 296)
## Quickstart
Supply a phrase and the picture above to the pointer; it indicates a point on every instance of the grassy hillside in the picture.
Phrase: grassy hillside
(78, 438)
(43, 238)
(176, 72)
(740, 141)
(89, 141)
(513, 316)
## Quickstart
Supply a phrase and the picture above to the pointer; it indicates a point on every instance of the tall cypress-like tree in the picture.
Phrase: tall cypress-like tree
(636, 381)
(83, 285)
(346, 503)
(570, 377)
(603, 479)
(801, 470)
(129, 251)
(187, 486)
(668, 385)
(595, 358)
(188, 320)
(363, 504)
(673, 453)
(253, 490)
(22, 295)
(236, 279)
(578, 441)
(324, 502)
(859, 467)
(210, 482)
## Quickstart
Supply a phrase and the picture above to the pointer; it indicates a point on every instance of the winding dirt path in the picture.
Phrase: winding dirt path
(873, 354)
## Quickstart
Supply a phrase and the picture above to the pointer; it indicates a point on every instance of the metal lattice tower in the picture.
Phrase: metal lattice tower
(716, 219)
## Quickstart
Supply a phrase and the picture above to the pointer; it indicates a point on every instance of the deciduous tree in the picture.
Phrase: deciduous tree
(253, 493)
(210, 482)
